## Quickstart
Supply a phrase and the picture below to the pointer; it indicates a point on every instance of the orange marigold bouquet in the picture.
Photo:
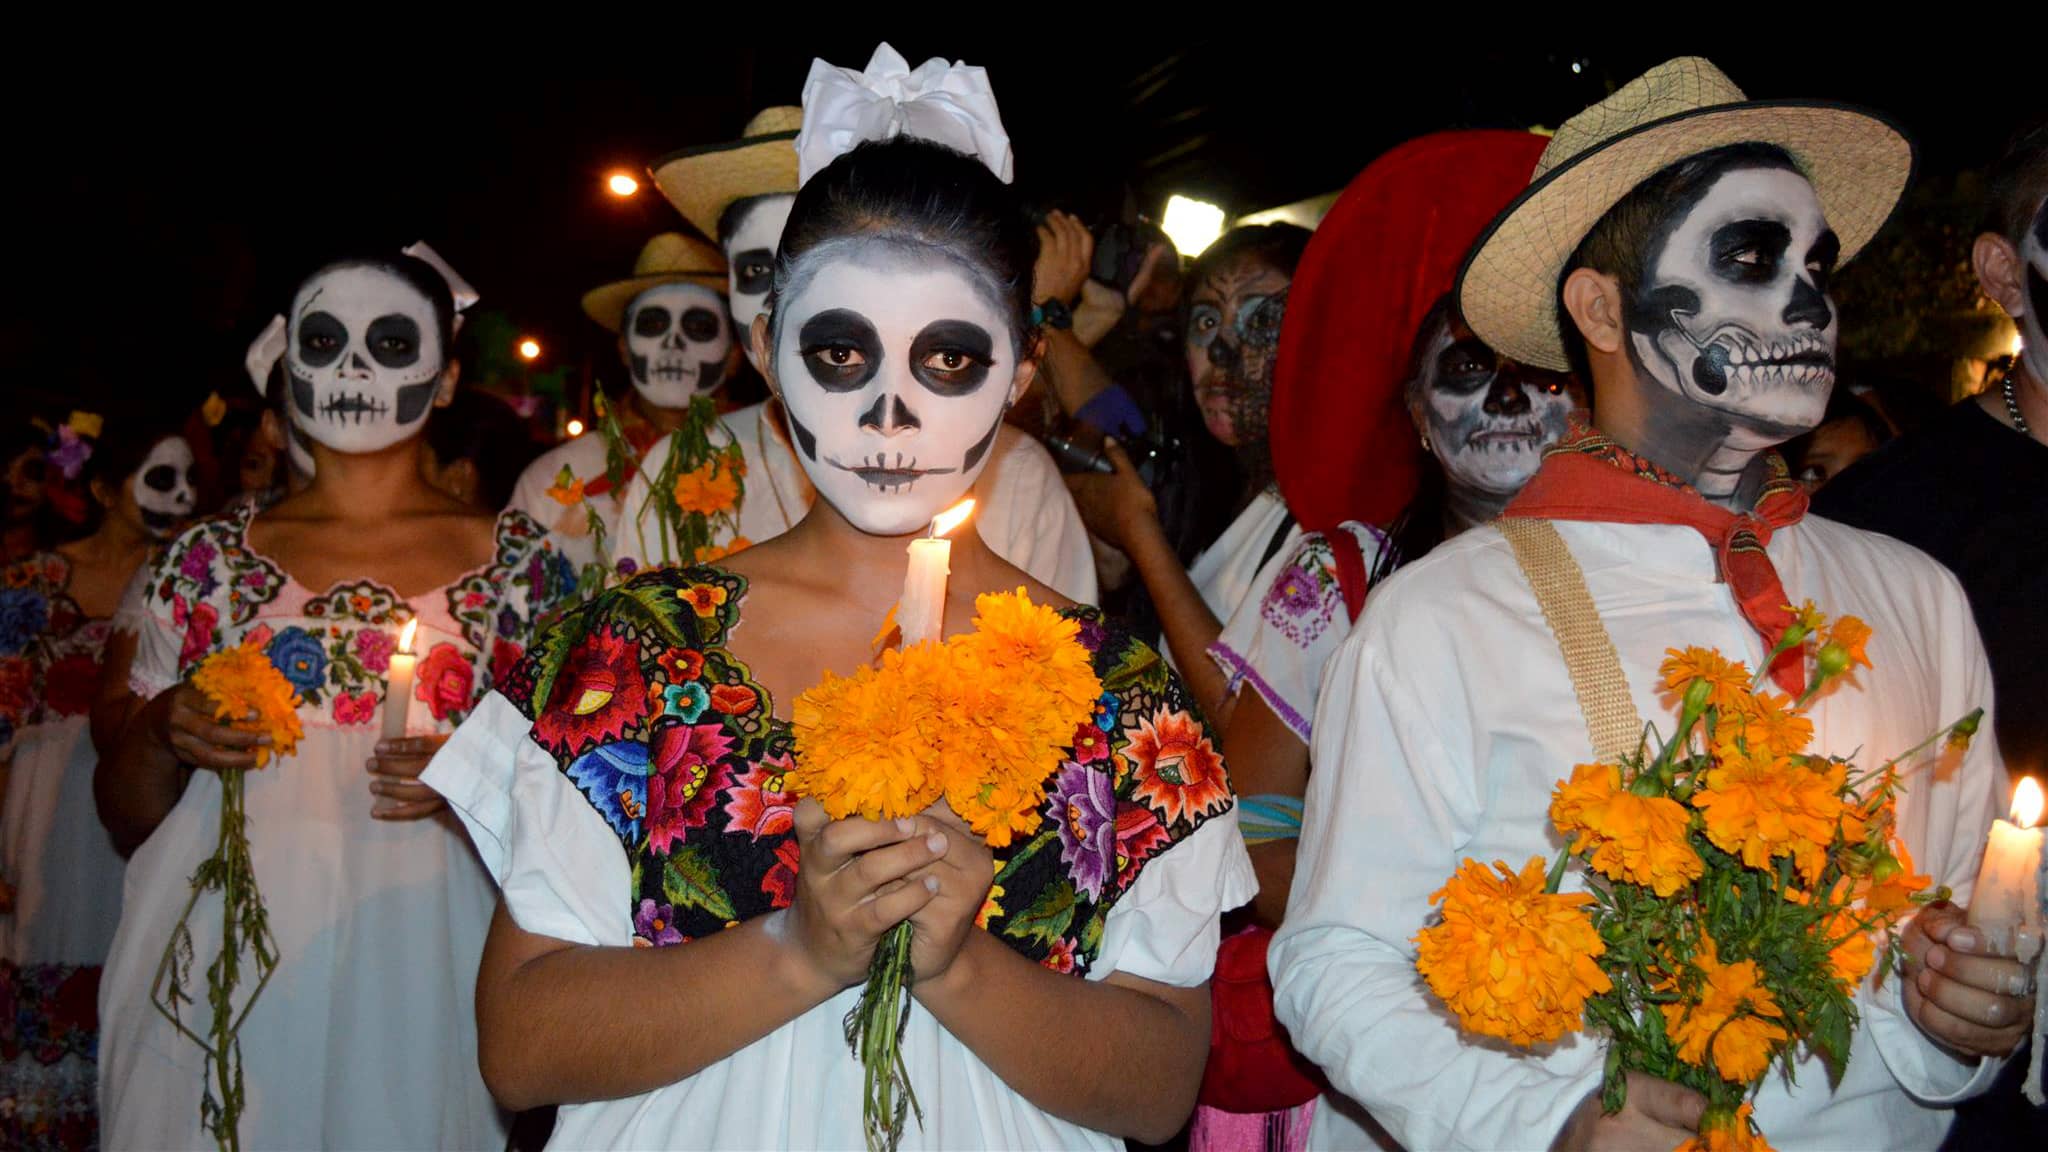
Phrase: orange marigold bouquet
(247, 692)
(1739, 890)
(979, 722)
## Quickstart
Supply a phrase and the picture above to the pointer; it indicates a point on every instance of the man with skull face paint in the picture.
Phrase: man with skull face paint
(366, 1035)
(741, 192)
(60, 878)
(677, 344)
(898, 332)
(1677, 238)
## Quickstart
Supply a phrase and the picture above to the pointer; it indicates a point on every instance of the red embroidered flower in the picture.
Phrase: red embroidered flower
(71, 683)
(687, 774)
(733, 699)
(17, 689)
(445, 680)
(505, 656)
(199, 631)
(758, 804)
(780, 882)
(1090, 744)
(682, 664)
(358, 709)
(599, 694)
(261, 636)
(1061, 958)
(1139, 837)
(1179, 772)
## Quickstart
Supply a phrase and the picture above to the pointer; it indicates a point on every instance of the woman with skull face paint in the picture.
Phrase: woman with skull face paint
(365, 1036)
(1237, 295)
(897, 333)
(60, 878)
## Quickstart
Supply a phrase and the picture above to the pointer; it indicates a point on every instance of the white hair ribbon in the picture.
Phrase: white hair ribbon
(465, 296)
(263, 354)
(950, 104)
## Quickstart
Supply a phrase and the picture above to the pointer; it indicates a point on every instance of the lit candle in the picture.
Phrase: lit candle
(2008, 898)
(921, 614)
(398, 684)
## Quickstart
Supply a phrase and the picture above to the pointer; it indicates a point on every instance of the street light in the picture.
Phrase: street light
(621, 185)
(575, 428)
(529, 348)
(1191, 224)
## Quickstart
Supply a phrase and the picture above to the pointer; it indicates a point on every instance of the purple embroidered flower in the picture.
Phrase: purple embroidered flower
(1092, 635)
(1298, 605)
(198, 559)
(508, 623)
(374, 647)
(655, 926)
(255, 580)
(628, 566)
(1083, 804)
(71, 452)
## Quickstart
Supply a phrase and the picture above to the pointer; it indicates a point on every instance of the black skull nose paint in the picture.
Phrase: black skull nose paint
(1226, 356)
(1505, 396)
(1808, 305)
(889, 414)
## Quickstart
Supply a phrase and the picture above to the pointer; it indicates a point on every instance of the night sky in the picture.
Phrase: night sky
(164, 204)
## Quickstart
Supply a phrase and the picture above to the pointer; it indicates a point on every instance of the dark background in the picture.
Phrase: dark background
(164, 201)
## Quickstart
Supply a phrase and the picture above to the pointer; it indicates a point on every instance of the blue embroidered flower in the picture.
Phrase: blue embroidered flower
(686, 701)
(299, 656)
(24, 613)
(508, 623)
(614, 777)
(1107, 709)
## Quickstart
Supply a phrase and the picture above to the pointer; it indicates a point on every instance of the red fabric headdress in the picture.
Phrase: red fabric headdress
(1343, 445)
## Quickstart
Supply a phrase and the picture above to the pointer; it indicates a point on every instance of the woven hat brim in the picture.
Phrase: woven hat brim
(1858, 161)
(606, 304)
(703, 182)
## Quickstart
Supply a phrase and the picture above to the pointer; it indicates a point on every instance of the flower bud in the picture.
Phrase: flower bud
(1696, 696)
(1833, 660)
(1887, 866)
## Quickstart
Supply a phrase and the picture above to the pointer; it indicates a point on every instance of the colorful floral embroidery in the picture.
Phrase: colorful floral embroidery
(670, 740)
(50, 651)
(446, 681)
(299, 656)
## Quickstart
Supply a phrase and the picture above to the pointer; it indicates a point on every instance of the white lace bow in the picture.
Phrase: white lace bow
(950, 104)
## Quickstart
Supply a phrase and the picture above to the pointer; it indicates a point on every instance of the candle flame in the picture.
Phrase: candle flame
(405, 637)
(950, 519)
(2027, 802)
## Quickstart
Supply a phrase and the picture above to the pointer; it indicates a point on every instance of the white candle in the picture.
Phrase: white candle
(2008, 892)
(398, 684)
(921, 614)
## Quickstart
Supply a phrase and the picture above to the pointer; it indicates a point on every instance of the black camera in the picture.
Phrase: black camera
(1119, 254)
(1076, 446)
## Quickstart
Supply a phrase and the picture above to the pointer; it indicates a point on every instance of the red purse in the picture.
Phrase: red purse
(1252, 1066)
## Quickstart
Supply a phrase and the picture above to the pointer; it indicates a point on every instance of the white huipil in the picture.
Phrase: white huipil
(1025, 513)
(1227, 571)
(366, 1034)
(564, 875)
(584, 457)
(1447, 717)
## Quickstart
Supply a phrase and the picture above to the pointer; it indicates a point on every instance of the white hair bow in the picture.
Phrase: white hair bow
(465, 297)
(950, 104)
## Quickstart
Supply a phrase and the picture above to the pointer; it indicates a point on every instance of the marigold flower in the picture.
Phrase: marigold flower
(1509, 959)
(1850, 634)
(1760, 807)
(242, 680)
(1732, 1020)
(567, 489)
(708, 489)
(1727, 1132)
(1853, 954)
(1729, 679)
(1637, 839)
(1767, 727)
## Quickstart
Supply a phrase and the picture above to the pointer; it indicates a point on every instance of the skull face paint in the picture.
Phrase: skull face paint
(2034, 324)
(677, 340)
(1489, 418)
(750, 258)
(1733, 313)
(162, 487)
(364, 359)
(895, 370)
(1233, 335)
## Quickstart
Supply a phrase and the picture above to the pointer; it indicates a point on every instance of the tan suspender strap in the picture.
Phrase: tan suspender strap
(1560, 586)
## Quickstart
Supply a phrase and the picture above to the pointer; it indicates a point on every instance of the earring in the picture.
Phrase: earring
(1425, 443)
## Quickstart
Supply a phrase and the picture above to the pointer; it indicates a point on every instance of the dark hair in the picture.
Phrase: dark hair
(1277, 246)
(1632, 232)
(423, 278)
(2014, 186)
(925, 193)
(484, 430)
(734, 217)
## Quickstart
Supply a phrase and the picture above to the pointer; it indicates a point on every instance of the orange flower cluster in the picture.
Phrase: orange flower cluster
(249, 693)
(710, 488)
(1637, 839)
(980, 721)
(1510, 959)
(1731, 1017)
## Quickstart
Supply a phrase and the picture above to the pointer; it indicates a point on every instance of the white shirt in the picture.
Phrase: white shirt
(1227, 571)
(1446, 719)
(569, 524)
(564, 875)
(1026, 514)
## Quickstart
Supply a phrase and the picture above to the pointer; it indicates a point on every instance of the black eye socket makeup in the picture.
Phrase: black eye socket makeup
(1466, 366)
(395, 341)
(753, 270)
(700, 325)
(1750, 251)
(651, 320)
(162, 477)
(321, 339)
(841, 349)
(952, 357)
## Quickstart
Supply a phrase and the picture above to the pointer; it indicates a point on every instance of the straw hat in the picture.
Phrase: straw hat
(702, 182)
(1858, 162)
(670, 258)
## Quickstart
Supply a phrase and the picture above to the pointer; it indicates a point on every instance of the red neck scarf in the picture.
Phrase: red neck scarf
(1586, 476)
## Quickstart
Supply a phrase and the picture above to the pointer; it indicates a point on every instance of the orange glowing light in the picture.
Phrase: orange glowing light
(950, 519)
(529, 348)
(621, 184)
(2027, 802)
(405, 637)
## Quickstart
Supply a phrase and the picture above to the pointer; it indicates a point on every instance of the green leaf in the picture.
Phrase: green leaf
(1091, 936)
(688, 882)
(1140, 667)
(552, 650)
(1047, 918)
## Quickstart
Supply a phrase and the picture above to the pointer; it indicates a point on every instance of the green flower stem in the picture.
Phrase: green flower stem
(874, 1030)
